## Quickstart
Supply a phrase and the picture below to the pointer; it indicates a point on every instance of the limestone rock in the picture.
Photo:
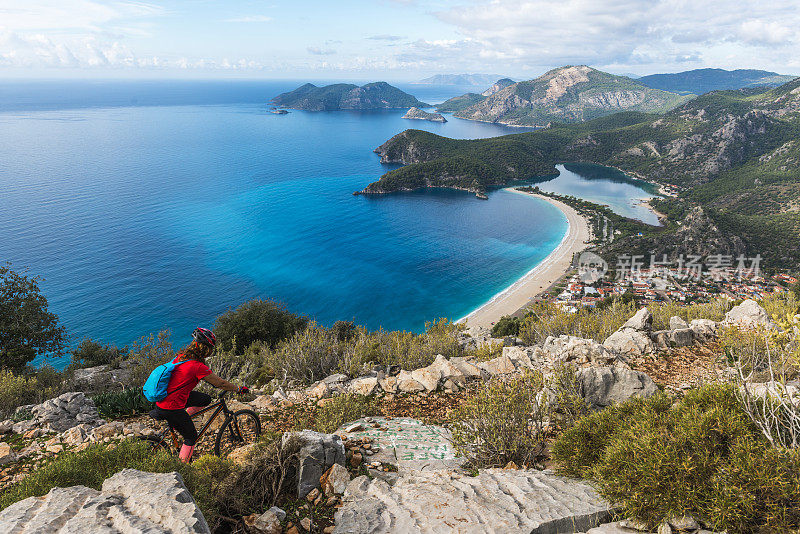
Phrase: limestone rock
(334, 480)
(263, 403)
(131, 501)
(467, 368)
(495, 501)
(320, 390)
(6, 426)
(571, 349)
(6, 453)
(407, 384)
(502, 365)
(703, 329)
(630, 342)
(681, 337)
(604, 386)
(676, 322)
(428, 377)
(389, 384)
(364, 385)
(266, 523)
(519, 356)
(318, 452)
(749, 314)
(64, 412)
(103, 376)
(642, 320)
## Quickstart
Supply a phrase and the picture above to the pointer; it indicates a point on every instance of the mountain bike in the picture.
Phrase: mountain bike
(241, 427)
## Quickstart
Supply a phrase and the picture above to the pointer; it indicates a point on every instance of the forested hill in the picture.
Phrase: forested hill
(733, 153)
(376, 95)
(700, 81)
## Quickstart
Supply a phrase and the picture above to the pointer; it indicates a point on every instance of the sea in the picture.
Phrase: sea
(153, 205)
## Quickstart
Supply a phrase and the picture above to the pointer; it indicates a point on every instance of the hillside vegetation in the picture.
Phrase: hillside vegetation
(732, 153)
(700, 81)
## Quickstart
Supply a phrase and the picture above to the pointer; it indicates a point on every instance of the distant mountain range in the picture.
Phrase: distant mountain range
(702, 81)
(376, 95)
(567, 94)
(481, 80)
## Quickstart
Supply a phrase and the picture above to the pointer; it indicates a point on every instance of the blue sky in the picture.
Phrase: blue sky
(390, 39)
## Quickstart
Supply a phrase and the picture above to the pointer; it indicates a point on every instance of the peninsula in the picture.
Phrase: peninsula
(376, 95)
(416, 113)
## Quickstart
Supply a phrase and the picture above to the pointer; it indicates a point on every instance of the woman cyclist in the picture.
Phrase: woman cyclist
(181, 402)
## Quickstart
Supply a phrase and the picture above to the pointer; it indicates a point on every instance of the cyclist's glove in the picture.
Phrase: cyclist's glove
(242, 390)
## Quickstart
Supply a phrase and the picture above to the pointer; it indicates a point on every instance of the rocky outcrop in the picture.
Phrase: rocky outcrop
(494, 501)
(131, 502)
(64, 412)
(497, 86)
(749, 314)
(103, 377)
(633, 338)
(317, 453)
(416, 113)
(603, 386)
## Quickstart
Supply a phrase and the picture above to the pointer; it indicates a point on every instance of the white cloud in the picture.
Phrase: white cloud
(521, 34)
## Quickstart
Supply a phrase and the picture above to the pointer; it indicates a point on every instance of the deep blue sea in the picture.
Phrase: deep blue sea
(153, 205)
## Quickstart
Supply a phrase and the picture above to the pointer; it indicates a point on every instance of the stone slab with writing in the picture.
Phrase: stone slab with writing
(405, 442)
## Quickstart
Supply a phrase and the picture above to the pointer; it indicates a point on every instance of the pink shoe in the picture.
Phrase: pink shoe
(185, 455)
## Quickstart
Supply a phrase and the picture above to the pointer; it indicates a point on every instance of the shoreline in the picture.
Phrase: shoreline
(539, 278)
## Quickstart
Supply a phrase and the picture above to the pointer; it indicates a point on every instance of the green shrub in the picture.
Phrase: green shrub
(702, 457)
(112, 404)
(308, 356)
(91, 354)
(257, 320)
(20, 389)
(98, 462)
(503, 422)
(342, 409)
(148, 353)
(714, 310)
(506, 326)
(547, 319)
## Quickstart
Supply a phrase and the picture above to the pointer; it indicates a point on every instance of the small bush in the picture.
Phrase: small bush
(546, 319)
(257, 320)
(503, 422)
(148, 353)
(506, 326)
(343, 409)
(714, 310)
(98, 462)
(112, 404)
(91, 354)
(21, 389)
(702, 457)
(308, 356)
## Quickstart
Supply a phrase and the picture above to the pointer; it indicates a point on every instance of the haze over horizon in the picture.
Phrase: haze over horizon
(389, 39)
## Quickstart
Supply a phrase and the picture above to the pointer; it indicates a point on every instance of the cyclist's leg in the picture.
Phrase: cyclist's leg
(182, 423)
(197, 401)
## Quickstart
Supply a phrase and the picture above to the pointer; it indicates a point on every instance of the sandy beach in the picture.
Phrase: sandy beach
(540, 277)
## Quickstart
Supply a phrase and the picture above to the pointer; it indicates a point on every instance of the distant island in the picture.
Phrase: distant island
(416, 113)
(460, 79)
(376, 95)
(700, 81)
(567, 95)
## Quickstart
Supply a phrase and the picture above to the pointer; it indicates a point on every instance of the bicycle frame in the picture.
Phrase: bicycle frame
(216, 406)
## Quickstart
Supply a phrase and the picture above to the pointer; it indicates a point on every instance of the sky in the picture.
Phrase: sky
(391, 39)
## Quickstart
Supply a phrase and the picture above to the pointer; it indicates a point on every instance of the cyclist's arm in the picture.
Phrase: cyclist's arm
(218, 382)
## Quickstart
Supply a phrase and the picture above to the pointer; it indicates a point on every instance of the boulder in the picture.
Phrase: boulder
(642, 321)
(703, 329)
(320, 390)
(604, 386)
(494, 501)
(467, 368)
(266, 523)
(630, 342)
(6, 453)
(364, 385)
(519, 356)
(103, 376)
(263, 403)
(6, 426)
(131, 501)
(428, 377)
(665, 339)
(676, 322)
(334, 480)
(318, 452)
(389, 384)
(407, 384)
(749, 314)
(502, 365)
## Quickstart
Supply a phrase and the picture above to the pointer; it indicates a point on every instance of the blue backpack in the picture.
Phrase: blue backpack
(155, 387)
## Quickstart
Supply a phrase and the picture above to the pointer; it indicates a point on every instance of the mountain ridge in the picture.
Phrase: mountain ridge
(701, 81)
(339, 96)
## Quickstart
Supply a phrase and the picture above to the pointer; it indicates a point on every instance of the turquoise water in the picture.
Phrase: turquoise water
(604, 185)
(143, 214)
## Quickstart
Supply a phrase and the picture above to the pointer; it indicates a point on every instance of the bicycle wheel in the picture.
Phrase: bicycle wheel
(157, 444)
(241, 428)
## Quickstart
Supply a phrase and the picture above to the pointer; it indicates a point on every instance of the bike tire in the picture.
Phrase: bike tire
(243, 427)
(157, 443)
